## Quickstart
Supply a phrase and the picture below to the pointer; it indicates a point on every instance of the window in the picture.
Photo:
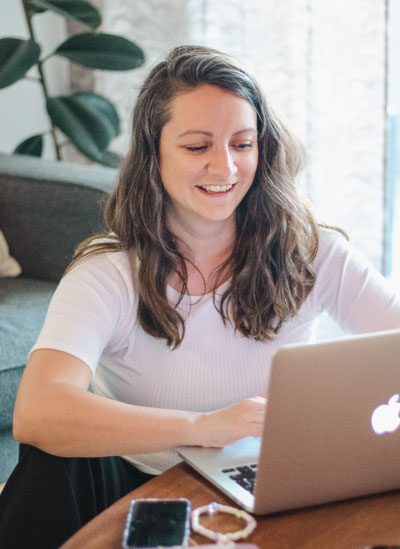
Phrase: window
(392, 267)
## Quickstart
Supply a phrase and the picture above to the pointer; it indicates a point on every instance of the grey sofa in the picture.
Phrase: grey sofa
(46, 209)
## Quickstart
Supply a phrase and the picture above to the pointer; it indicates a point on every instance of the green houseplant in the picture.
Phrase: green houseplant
(88, 120)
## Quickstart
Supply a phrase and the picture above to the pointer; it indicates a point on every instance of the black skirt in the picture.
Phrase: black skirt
(48, 498)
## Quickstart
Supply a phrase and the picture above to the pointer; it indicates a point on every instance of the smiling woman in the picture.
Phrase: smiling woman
(212, 262)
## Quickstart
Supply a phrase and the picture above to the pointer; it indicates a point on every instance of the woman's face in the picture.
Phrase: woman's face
(208, 154)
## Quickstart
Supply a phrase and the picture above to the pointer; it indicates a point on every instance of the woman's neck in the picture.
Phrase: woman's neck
(207, 245)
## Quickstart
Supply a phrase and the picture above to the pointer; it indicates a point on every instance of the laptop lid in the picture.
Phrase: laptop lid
(331, 427)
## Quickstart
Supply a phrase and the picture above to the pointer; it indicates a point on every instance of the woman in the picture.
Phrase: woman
(213, 261)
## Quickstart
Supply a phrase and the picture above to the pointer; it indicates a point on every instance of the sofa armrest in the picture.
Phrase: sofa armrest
(47, 208)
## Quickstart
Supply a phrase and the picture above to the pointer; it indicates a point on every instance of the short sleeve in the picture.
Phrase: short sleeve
(352, 291)
(86, 308)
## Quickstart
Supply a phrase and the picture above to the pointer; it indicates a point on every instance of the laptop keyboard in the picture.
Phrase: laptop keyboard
(244, 475)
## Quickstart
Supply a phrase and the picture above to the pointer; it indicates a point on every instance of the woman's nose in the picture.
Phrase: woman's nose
(222, 164)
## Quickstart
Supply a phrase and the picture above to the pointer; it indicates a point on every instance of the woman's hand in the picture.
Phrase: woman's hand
(222, 427)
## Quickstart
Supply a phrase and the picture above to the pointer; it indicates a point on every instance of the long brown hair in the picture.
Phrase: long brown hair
(276, 232)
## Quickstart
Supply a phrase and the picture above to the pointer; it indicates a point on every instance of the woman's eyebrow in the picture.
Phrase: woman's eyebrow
(210, 134)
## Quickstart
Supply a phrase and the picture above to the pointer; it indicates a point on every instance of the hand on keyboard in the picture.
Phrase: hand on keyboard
(222, 427)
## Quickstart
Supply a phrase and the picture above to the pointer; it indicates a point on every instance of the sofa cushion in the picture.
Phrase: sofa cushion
(23, 306)
(50, 208)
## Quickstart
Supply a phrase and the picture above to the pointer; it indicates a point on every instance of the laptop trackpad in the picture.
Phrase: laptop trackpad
(245, 450)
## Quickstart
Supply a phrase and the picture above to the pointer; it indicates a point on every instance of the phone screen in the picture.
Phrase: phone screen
(162, 522)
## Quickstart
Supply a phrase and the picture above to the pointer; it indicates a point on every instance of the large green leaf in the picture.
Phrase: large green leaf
(16, 58)
(33, 146)
(98, 103)
(89, 120)
(79, 10)
(102, 51)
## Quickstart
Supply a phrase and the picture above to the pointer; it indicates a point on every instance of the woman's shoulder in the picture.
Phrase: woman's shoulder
(332, 242)
(104, 260)
(336, 251)
(106, 268)
(329, 237)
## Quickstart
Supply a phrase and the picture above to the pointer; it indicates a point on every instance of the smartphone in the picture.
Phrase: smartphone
(157, 522)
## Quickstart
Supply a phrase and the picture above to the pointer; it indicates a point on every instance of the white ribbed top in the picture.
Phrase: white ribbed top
(93, 316)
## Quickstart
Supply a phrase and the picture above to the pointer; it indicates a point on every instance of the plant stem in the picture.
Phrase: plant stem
(46, 57)
(64, 144)
(25, 5)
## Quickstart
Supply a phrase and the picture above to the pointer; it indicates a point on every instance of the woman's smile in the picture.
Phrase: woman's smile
(216, 189)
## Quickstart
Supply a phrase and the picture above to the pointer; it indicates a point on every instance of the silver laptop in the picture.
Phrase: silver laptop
(331, 432)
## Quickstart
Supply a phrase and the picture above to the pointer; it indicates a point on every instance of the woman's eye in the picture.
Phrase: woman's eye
(201, 148)
(244, 145)
(196, 149)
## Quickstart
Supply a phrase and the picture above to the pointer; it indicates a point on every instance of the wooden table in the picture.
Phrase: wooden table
(357, 523)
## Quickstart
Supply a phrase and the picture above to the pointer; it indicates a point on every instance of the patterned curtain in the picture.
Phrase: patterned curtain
(322, 64)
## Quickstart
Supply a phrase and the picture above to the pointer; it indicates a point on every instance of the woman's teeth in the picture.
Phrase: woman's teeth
(216, 188)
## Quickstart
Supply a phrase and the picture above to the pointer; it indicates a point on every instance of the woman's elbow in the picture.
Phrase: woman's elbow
(19, 433)
(24, 425)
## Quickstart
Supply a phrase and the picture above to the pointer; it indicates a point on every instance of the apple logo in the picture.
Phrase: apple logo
(386, 417)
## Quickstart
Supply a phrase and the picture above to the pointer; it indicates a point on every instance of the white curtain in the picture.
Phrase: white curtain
(323, 67)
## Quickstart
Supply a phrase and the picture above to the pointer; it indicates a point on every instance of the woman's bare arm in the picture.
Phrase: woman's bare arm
(55, 412)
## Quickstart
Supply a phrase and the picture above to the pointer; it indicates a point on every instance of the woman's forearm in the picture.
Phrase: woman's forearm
(70, 421)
